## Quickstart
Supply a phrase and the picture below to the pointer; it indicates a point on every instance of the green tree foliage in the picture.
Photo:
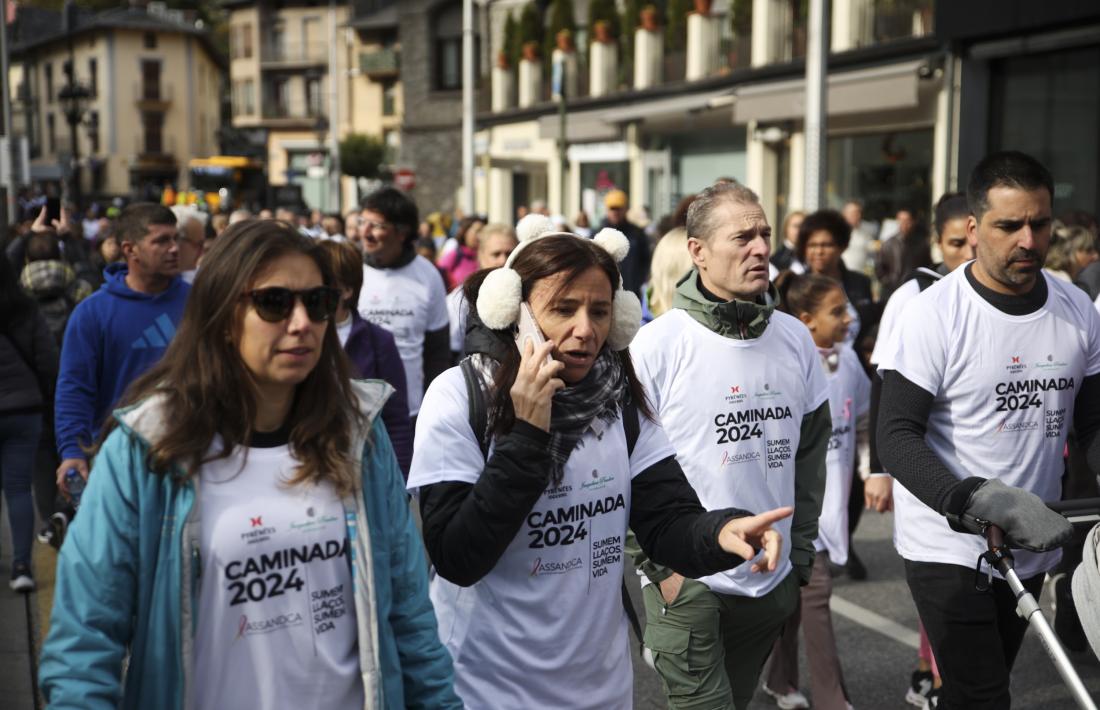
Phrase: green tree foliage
(361, 155)
(741, 17)
(603, 10)
(630, 22)
(530, 25)
(510, 43)
(676, 24)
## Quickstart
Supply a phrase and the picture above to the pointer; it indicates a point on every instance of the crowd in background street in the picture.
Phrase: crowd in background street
(250, 399)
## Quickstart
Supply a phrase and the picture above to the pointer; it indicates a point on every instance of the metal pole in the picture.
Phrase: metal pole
(1029, 610)
(468, 205)
(335, 198)
(817, 58)
(563, 144)
(71, 116)
(8, 160)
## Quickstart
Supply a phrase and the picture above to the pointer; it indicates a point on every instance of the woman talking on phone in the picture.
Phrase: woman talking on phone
(244, 539)
(543, 451)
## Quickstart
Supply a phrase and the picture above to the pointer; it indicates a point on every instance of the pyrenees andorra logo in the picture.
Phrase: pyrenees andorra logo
(736, 394)
(1015, 364)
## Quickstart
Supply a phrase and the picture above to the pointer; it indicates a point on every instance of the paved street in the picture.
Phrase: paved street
(877, 663)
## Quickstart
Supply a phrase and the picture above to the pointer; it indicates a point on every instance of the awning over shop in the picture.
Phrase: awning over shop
(667, 106)
(893, 86)
(579, 127)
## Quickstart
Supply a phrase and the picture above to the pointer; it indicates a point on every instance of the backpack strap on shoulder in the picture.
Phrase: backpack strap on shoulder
(479, 412)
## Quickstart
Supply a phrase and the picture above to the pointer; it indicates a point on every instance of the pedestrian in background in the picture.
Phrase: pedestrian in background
(28, 368)
(244, 539)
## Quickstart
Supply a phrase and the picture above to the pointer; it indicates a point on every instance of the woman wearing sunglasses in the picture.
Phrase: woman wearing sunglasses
(244, 537)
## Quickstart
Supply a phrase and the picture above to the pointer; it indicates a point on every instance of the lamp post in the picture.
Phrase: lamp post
(74, 102)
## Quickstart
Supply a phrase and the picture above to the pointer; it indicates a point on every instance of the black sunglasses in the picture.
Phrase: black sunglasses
(276, 303)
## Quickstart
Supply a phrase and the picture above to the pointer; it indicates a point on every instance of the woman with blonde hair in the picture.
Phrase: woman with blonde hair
(1071, 250)
(244, 540)
(671, 260)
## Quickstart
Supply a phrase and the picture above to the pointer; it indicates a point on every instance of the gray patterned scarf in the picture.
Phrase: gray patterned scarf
(599, 396)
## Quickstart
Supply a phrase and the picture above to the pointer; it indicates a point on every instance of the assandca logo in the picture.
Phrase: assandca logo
(729, 459)
(1009, 427)
(247, 627)
(555, 566)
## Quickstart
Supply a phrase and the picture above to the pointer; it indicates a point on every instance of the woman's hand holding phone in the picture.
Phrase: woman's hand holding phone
(536, 382)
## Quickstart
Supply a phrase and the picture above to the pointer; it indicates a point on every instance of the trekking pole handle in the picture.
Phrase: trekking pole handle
(995, 538)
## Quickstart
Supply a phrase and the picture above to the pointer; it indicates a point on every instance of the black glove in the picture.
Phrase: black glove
(1025, 518)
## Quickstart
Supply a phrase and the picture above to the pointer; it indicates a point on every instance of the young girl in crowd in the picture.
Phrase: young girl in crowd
(820, 303)
(244, 539)
(525, 516)
(671, 260)
(459, 257)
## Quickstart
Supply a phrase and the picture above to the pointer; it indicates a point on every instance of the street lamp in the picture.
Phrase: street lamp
(74, 102)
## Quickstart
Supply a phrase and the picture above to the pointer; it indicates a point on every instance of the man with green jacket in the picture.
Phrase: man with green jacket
(740, 391)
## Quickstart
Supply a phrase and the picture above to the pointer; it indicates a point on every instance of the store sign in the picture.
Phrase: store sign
(404, 179)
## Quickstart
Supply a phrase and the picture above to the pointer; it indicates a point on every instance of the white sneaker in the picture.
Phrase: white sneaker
(793, 700)
(21, 579)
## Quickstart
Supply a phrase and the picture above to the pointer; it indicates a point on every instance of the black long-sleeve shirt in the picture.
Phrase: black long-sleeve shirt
(467, 527)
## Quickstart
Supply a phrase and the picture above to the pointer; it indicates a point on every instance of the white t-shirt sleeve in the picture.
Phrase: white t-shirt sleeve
(448, 449)
(652, 446)
(1092, 357)
(817, 386)
(437, 301)
(456, 304)
(862, 389)
(920, 355)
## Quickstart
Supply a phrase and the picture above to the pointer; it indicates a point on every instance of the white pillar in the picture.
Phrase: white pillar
(817, 69)
(603, 66)
(941, 148)
(569, 60)
(501, 208)
(530, 82)
(796, 178)
(504, 88)
(467, 106)
(702, 46)
(649, 50)
(845, 34)
(761, 33)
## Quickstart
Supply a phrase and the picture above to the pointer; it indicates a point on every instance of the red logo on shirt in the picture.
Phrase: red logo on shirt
(1015, 359)
(258, 521)
(735, 389)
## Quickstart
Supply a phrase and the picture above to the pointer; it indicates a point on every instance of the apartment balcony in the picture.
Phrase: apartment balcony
(879, 21)
(291, 55)
(151, 153)
(290, 114)
(380, 63)
(153, 97)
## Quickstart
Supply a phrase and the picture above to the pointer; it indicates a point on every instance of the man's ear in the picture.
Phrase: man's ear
(697, 248)
(972, 232)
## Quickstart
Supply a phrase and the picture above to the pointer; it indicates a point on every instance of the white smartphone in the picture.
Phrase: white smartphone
(528, 329)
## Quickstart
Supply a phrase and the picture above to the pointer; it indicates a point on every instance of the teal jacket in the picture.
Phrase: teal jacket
(128, 573)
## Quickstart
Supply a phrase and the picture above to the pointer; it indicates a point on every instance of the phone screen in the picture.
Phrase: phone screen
(53, 209)
(528, 329)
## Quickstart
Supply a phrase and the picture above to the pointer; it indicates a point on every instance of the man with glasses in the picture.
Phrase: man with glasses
(635, 267)
(402, 291)
(118, 332)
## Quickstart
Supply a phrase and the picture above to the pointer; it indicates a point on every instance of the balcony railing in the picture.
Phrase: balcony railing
(148, 152)
(886, 20)
(150, 93)
(380, 63)
(291, 110)
(292, 53)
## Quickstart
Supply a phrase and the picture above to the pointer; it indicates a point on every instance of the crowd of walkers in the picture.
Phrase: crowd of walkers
(375, 460)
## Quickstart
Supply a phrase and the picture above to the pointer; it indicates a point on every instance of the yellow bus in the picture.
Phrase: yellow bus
(226, 182)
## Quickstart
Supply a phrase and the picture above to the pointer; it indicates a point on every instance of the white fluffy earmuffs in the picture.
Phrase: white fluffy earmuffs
(502, 291)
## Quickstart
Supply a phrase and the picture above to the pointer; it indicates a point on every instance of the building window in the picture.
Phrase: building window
(93, 132)
(277, 39)
(51, 133)
(389, 98)
(280, 98)
(153, 124)
(49, 82)
(150, 80)
(313, 42)
(314, 96)
(150, 40)
(447, 45)
(246, 41)
(93, 76)
(249, 93)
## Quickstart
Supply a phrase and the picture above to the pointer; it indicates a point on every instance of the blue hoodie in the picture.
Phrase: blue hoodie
(113, 336)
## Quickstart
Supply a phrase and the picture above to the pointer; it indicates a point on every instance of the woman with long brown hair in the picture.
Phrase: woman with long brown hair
(244, 534)
(536, 459)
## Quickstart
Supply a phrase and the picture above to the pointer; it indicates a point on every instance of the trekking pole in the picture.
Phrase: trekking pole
(1000, 558)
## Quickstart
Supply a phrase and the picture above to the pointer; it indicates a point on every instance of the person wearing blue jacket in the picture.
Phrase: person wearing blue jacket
(118, 332)
(245, 539)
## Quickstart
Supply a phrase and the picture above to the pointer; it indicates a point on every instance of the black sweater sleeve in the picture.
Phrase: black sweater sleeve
(671, 525)
(876, 400)
(903, 422)
(468, 526)
(1086, 421)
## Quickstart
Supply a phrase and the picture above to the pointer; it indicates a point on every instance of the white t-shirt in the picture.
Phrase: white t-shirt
(1004, 389)
(276, 622)
(733, 409)
(456, 313)
(407, 301)
(891, 322)
(546, 627)
(849, 401)
(343, 331)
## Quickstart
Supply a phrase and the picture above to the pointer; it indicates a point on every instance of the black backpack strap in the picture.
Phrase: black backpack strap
(925, 277)
(479, 413)
(632, 426)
